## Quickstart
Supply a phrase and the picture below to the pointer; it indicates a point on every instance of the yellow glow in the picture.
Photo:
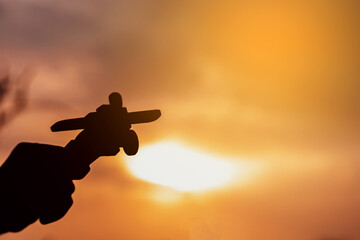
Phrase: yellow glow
(178, 166)
(166, 195)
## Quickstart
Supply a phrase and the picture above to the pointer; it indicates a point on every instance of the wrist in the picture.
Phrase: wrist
(15, 215)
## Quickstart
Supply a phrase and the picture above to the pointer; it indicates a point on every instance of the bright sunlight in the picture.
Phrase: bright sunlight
(180, 167)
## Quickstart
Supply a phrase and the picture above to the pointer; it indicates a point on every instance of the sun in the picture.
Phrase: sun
(180, 167)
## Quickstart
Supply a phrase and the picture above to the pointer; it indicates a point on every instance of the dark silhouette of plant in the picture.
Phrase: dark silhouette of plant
(13, 95)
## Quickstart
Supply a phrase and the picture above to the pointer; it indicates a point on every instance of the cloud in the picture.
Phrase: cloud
(203, 64)
(278, 81)
(43, 25)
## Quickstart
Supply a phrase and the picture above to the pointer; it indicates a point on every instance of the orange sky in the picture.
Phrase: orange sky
(273, 82)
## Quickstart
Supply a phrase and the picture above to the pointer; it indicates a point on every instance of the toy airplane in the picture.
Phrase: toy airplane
(108, 115)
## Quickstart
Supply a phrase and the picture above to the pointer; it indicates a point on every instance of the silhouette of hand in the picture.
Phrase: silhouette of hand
(36, 179)
(105, 133)
(35, 184)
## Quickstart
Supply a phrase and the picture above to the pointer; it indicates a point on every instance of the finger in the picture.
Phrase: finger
(56, 199)
(79, 172)
(55, 209)
(111, 151)
(63, 186)
(111, 143)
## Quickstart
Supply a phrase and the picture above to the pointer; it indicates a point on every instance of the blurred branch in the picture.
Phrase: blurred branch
(13, 95)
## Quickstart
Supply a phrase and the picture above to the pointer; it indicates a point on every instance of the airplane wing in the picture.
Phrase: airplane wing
(80, 123)
(144, 116)
(69, 124)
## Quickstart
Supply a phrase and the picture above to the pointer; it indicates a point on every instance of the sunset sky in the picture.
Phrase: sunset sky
(261, 99)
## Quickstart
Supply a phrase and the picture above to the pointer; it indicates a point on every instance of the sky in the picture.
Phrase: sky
(273, 84)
